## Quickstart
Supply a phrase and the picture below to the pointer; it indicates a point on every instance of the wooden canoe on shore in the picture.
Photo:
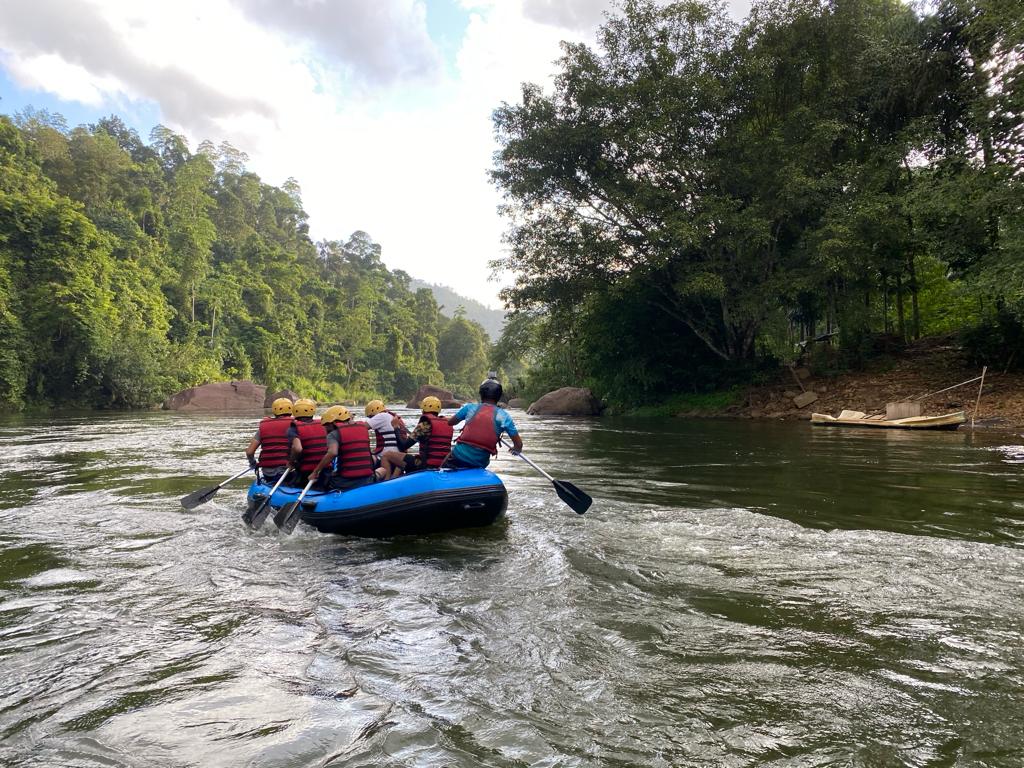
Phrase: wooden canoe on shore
(948, 421)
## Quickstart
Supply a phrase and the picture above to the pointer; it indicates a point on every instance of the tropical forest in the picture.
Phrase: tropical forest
(129, 270)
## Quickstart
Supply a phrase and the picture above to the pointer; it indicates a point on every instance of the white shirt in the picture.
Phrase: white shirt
(382, 423)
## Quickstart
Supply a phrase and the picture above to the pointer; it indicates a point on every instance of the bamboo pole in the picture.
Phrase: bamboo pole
(978, 401)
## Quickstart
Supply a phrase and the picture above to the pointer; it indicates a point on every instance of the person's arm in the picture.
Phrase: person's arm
(332, 451)
(296, 452)
(405, 441)
(509, 428)
(250, 452)
(459, 416)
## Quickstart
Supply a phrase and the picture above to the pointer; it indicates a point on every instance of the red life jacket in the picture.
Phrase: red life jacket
(274, 441)
(480, 431)
(439, 444)
(313, 437)
(354, 459)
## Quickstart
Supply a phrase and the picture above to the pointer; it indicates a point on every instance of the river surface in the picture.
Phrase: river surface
(740, 594)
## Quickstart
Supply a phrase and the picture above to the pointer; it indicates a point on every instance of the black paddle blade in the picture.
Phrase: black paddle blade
(201, 496)
(573, 496)
(255, 517)
(288, 517)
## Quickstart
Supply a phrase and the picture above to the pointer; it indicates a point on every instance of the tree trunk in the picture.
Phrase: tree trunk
(193, 301)
(899, 310)
(885, 303)
(915, 309)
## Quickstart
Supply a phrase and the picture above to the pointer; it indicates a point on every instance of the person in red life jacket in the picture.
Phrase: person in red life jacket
(271, 439)
(349, 443)
(485, 423)
(308, 441)
(434, 436)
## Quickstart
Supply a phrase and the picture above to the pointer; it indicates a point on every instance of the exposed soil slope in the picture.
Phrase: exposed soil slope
(925, 367)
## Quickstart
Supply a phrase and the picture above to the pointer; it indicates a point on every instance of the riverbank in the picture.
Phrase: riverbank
(925, 367)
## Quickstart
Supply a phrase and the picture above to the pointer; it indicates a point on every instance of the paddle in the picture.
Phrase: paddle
(287, 517)
(203, 495)
(254, 518)
(567, 492)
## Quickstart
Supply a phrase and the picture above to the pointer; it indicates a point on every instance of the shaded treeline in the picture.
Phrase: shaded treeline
(695, 196)
(129, 270)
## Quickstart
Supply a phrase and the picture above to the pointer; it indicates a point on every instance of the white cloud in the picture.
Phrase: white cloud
(391, 146)
(382, 41)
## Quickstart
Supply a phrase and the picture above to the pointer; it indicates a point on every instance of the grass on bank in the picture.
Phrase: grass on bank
(709, 402)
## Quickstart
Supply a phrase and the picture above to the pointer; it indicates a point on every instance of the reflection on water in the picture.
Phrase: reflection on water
(741, 593)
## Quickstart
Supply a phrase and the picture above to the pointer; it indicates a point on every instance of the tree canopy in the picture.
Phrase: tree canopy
(824, 166)
(129, 270)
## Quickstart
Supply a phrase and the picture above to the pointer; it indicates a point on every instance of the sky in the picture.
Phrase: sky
(381, 109)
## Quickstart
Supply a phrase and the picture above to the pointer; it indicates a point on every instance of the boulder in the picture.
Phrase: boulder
(517, 402)
(567, 401)
(805, 399)
(448, 400)
(291, 395)
(219, 396)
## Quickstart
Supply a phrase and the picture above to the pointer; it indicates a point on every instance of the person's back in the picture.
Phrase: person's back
(308, 440)
(271, 439)
(485, 423)
(378, 418)
(348, 447)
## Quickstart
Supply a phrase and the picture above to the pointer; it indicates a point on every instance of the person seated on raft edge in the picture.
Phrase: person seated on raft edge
(308, 441)
(485, 423)
(271, 439)
(349, 443)
(434, 436)
(382, 421)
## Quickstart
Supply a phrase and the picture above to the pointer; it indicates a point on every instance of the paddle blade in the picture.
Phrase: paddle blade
(573, 496)
(288, 517)
(201, 496)
(256, 517)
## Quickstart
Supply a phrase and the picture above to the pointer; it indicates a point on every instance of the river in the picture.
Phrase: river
(740, 594)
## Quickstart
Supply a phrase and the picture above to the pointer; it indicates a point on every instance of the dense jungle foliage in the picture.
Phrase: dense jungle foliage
(695, 197)
(130, 270)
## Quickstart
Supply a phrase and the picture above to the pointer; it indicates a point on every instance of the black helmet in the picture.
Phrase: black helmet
(491, 390)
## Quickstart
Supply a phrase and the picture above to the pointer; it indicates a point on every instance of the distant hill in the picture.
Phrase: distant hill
(493, 320)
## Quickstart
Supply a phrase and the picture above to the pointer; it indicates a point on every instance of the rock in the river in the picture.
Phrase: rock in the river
(219, 396)
(448, 400)
(517, 402)
(567, 401)
(270, 398)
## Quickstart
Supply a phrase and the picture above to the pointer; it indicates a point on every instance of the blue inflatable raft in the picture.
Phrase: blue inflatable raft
(423, 502)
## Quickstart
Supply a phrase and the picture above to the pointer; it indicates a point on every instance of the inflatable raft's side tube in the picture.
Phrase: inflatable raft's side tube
(424, 502)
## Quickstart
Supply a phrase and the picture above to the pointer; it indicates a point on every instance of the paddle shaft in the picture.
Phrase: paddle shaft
(203, 495)
(245, 471)
(575, 498)
(524, 458)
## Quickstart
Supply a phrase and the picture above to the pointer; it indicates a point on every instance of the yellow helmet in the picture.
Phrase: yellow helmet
(431, 404)
(335, 413)
(304, 408)
(281, 406)
(374, 407)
